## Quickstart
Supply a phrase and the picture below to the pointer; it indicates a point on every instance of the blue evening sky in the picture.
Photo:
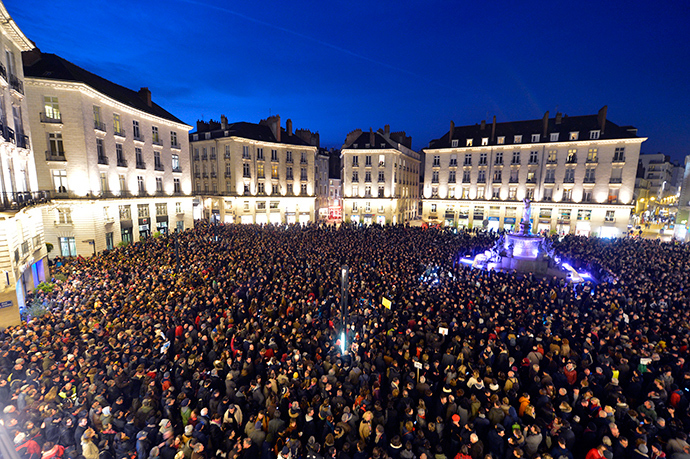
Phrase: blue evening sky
(335, 66)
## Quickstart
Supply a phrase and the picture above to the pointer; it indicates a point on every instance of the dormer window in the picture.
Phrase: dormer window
(574, 135)
(594, 135)
(517, 139)
(485, 141)
(554, 137)
(535, 138)
(469, 142)
(454, 143)
(501, 140)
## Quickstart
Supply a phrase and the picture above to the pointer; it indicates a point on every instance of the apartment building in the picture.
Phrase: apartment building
(23, 253)
(116, 163)
(255, 173)
(380, 178)
(579, 172)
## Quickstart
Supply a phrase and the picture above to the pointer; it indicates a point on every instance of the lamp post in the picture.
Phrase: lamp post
(344, 307)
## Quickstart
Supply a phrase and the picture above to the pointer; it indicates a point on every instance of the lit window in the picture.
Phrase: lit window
(573, 135)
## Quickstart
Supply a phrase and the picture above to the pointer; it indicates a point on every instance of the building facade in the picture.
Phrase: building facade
(657, 186)
(254, 173)
(116, 164)
(579, 172)
(380, 178)
(23, 252)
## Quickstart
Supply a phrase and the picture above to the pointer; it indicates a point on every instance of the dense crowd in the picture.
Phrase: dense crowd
(231, 347)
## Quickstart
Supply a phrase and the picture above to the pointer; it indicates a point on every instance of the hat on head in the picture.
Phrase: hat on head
(188, 430)
(643, 448)
(456, 418)
(163, 422)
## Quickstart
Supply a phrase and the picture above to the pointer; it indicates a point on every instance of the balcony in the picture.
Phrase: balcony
(569, 180)
(195, 158)
(138, 137)
(205, 175)
(197, 174)
(176, 146)
(454, 163)
(22, 199)
(103, 160)
(616, 180)
(204, 157)
(214, 175)
(9, 134)
(212, 157)
(551, 161)
(121, 162)
(55, 156)
(228, 175)
(549, 180)
(589, 180)
(157, 141)
(16, 84)
(141, 165)
(513, 180)
(3, 72)
(571, 160)
(497, 180)
(227, 155)
(23, 141)
(99, 125)
(120, 132)
(531, 180)
(304, 161)
(619, 159)
(158, 167)
(55, 119)
(592, 160)
(177, 169)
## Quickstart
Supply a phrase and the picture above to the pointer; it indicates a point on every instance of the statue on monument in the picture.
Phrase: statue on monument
(527, 214)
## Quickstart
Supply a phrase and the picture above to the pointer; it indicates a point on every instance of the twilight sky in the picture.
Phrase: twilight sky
(336, 66)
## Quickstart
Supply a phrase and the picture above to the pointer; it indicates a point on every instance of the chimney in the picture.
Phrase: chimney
(371, 138)
(450, 133)
(601, 119)
(276, 127)
(223, 122)
(559, 117)
(493, 129)
(387, 130)
(288, 127)
(145, 95)
(483, 125)
(545, 124)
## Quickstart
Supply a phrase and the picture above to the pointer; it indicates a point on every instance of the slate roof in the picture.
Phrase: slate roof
(252, 131)
(582, 124)
(361, 142)
(53, 67)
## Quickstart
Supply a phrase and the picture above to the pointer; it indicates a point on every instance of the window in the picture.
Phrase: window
(125, 212)
(288, 156)
(173, 139)
(176, 185)
(434, 177)
(468, 159)
(260, 154)
(68, 247)
(496, 192)
(139, 158)
(584, 214)
(535, 138)
(567, 195)
(433, 208)
(482, 159)
(465, 176)
(589, 175)
(592, 155)
(52, 109)
(533, 157)
(481, 177)
(260, 188)
(100, 149)
(289, 173)
(610, 216)
(275, 188)
(382, 160)
(303, 189)
(140, 184)
(121, 182)
(569, 175)
(573, 135)
(498, 176)
(303, 158)
(245, 152)
(120, 155)
(204, 154)
(382, 176)
(594, 135)
(154, 135)
(531, 177)
(485, 141)
(617, 175)
(517, 139)
(469, 142)
(451, 177)
(55, 145)
(516, 158)
(619, 154)
(245, 171)
(529, 193)
(572, 156)
(554, 136)
(97, 122)
(367, 176)
(135, 130)
(437, 161)
(157, 161)
(355, 176)
(367, 191)
(453, 160)
(514, 175)
(60, 181)
(176, 163)
(104, 182)
(454, 143)
(260, 171)
(451, 192)
(586, 195)
(553, 157)
(274, 155)
(227, 152)
(367, 161)
(499, 157)
(550, 176)
(355, 161)
(161, 209)
(303, 173)
(159, 184)
(143, 210)
(548, 194)
(274, 171)
(64, 215)
(381, 192)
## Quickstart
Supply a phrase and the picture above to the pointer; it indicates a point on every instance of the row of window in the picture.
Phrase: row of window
(566, 196)
(549, 176)
(552, 158)
(276, 188)
(60, 183)
(202, 154)
(381, 163)
(52, 114)
(536, 138)
(563, 215)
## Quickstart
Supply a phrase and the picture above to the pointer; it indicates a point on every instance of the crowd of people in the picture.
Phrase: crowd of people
(232, 346)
